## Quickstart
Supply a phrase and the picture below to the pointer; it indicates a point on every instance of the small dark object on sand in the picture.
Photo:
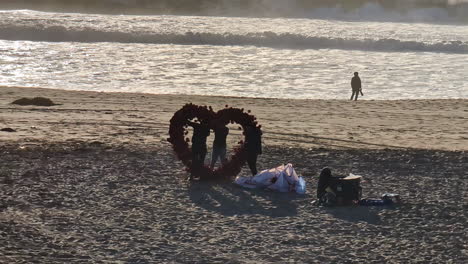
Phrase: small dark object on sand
(40, 101)
(8, 129)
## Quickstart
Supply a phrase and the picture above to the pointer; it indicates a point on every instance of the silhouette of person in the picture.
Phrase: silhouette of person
(325, 189)
(200, 132)
(219, 143)
(356, 86)
(253, 145)
(324, 182)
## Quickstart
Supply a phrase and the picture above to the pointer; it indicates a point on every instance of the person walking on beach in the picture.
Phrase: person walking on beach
(219, 143)
(253, 145)
(356, 86)
(200, 132)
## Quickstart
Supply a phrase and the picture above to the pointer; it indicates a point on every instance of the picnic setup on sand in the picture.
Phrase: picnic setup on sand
(331, 190)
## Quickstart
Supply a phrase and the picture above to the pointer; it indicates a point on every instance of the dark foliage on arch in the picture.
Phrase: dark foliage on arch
(178, 131)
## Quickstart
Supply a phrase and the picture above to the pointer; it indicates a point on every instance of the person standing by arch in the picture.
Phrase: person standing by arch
(219, 144)
(356, 86)
(253, 145)
(200, 132)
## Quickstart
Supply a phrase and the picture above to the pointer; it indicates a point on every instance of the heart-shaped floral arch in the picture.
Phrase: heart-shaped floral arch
(180, 144)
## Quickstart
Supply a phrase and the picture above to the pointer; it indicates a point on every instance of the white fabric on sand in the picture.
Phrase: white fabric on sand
(282, 179)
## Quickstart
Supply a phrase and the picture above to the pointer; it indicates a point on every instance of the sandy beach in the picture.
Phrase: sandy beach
(94, 180)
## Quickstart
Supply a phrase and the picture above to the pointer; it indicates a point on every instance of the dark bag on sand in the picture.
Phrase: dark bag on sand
(347, 189)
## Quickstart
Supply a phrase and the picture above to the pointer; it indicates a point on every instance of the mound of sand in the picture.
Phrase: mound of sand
(39, 101)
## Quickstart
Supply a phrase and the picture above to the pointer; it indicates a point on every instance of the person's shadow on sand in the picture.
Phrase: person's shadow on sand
(229, 199)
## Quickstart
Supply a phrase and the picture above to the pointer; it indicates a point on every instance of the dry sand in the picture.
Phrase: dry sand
(94, 180)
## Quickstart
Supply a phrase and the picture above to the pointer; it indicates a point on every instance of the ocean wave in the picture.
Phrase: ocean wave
(263, 39)
(426, 11)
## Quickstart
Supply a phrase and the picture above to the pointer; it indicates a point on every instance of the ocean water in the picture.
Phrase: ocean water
(397, 55)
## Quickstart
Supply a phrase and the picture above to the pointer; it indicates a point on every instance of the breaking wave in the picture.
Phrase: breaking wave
(427, 11)
(263, 39)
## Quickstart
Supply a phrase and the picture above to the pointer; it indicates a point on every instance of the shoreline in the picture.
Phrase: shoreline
(438, 124)
(224, 97)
